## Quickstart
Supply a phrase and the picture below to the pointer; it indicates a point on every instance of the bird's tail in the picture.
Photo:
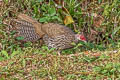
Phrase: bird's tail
(26, 18)
(25, 29)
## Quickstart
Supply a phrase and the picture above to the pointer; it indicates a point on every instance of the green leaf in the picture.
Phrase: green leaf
(52, 11)
(43, 8)
(14, 53)
(56, 18)
(35, 9)
(5, 54)
(28, 44)
(13, 32)
(20, 38)
(1, 58)
(44, 19)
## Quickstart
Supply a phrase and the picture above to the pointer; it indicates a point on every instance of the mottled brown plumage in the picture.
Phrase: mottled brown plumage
(26, 30)
(54, 35)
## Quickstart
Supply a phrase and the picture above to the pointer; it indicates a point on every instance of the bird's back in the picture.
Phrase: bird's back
(53, 30)
(58, 36)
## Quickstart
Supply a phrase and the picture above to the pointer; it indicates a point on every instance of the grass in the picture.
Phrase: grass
(34, 64)
(96, 60)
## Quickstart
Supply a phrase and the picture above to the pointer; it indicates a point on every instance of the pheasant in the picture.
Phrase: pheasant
(54, 35)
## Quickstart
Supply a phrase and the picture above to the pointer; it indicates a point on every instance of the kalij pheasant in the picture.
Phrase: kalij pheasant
(54, 35)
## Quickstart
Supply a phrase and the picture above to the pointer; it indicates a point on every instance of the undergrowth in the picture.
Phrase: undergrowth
(97, 59)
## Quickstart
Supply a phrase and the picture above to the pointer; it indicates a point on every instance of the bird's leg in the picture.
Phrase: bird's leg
(58, 52)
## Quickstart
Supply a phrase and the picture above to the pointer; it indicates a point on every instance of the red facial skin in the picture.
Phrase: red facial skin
(82, 37)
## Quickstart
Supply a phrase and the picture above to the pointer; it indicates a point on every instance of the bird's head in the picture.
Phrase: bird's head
(80, 37)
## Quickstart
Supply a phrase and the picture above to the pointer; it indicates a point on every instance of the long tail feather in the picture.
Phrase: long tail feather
(26, 30)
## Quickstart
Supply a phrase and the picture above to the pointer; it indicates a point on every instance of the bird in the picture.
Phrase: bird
(54, 35)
